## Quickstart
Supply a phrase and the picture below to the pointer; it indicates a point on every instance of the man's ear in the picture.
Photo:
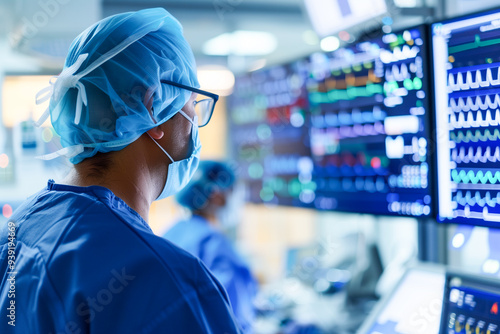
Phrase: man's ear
(156, 133)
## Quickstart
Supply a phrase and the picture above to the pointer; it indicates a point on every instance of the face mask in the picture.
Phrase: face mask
(229, 215)
(180, 172)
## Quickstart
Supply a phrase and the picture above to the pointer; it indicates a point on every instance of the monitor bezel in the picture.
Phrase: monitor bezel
(435, 197)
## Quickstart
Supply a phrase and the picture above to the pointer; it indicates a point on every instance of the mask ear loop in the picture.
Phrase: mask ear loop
(168, 155)
(187, 117)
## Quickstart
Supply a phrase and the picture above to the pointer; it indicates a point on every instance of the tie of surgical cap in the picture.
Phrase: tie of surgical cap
(99, 102)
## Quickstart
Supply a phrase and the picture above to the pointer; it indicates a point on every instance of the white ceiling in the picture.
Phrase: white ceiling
(44, 49)
(45, 32)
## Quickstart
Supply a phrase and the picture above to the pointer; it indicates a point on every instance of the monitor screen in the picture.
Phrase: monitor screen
(269, 135)
(414, 307)
(467, 87)
(331, 16)
(369, 126)
(471, 305)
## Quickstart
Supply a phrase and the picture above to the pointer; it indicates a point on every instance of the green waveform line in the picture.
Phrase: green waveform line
(409, 84)
(346, 94)
(476, 44)
(474, 137)
(470, 176)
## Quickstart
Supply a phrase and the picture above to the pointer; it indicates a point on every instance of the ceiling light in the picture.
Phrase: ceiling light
(216, 79)
(241, 43)
(330, 43)
(257, 65)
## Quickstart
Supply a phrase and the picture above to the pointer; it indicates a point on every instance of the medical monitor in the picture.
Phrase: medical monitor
(331, 16)
(369, 133)
(471, 305)
(413, 307)
(466, 57)
(269, 135)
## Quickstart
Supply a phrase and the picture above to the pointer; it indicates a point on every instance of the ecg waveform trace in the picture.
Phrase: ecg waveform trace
(469, 120)
(478, 43)
(474, 137)
(475, 177)
(473, 81)
(475, 155)
(346, 94)
(474, 103)
(477, 199)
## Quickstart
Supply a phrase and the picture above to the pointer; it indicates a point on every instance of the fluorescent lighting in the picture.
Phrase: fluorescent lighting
(258, 64)
(458, 240)
(330, 43)
(216, 79)
(241, 43)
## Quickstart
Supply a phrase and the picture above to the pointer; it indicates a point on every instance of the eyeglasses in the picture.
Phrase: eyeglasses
(203, 107)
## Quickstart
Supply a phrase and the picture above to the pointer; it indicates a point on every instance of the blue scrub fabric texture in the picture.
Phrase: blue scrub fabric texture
(85, 262)
(216, 251)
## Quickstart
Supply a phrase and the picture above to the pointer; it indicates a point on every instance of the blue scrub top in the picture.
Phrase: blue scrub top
(201, 239)
(85, 262)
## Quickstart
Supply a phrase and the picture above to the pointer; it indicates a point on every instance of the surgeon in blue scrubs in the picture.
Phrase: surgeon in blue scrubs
(206, 196)
(79, 255)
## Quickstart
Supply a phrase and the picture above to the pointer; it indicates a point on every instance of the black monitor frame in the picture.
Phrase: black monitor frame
(436, 192)
(428, 121)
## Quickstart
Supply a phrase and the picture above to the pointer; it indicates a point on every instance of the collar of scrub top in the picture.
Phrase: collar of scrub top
(68, 79)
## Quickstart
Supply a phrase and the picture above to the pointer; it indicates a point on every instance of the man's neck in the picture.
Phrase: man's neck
(127, 181)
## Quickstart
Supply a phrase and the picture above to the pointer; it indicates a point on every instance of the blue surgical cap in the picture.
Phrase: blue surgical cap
(210, 177)
(99, 101)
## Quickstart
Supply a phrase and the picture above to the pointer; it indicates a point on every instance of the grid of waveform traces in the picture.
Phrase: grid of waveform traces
(369, 142)
(269, 132)
(468, 49)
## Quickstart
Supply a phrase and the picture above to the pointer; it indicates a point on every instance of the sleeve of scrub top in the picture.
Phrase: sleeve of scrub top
(234, 275)
(126, 280)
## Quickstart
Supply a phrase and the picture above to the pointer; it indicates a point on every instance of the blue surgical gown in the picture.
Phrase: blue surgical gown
(199, 238)
(85, 262)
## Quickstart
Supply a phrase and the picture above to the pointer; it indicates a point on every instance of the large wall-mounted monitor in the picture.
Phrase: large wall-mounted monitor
(369, 126)
(466, 54)
(269, 135)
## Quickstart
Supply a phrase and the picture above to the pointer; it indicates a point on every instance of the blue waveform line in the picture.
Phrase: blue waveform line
(459, 120)
(472, 80)
(282, 164)
(319, 135)
(474, 103)
(353, 184)
(345, 118)
(475, 155)
(477, 199)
